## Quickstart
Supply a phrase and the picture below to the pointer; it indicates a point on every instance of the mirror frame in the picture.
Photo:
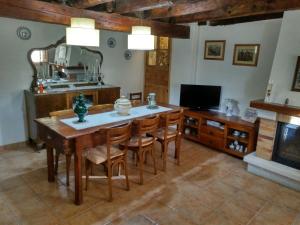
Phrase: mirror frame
(33, 85)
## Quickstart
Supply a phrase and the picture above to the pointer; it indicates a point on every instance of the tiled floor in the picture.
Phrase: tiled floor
(209, 188)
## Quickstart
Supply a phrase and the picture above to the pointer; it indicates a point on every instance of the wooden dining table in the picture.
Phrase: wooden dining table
(60, 136)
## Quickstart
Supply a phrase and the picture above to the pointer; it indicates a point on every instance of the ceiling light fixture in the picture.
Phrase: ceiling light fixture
(141, 38)
(83, 33)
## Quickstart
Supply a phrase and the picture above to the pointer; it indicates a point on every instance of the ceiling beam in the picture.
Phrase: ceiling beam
(128, 6)
(83, 4)
(182, 7)
(60, 14)
(240, 8)
(242, 19)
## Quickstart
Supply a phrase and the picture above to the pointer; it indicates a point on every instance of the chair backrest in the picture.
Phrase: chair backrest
(101, 107)
(173, 119)
(61, 113)
(147, 125)
(119, 134)
(135, 98)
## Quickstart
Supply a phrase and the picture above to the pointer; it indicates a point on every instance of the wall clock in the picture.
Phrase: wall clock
(127, 54)
(111, 42)
(24, 33)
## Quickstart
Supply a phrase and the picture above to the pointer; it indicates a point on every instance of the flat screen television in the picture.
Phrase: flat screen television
(200, 97)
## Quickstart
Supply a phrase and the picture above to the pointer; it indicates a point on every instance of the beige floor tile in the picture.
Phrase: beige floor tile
(275, 215)
(288, 198)
(248, 201)
(297, 220)
(218, 218)
(237, 214)
(222, 189)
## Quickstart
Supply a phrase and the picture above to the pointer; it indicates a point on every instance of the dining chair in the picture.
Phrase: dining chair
(70, 113)
(109, 154)
(136, 98)
(101, 107)
(143, 142)
(170, 131)
(63, 113)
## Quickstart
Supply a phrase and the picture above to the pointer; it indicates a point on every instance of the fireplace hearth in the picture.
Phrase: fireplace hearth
(287, 145)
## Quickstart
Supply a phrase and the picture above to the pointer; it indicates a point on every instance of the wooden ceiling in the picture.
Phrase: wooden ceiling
(164, 16)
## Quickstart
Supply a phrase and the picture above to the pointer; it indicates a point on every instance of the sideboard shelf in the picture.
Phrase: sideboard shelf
(197, 127)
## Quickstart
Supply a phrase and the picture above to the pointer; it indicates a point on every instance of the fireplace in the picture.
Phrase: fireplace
(287, 145)
(277, 155)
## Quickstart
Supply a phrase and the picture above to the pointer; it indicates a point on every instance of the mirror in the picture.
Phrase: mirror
(60, 65)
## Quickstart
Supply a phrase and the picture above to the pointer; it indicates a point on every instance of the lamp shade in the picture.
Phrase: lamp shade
(141, 38)
(83, 33)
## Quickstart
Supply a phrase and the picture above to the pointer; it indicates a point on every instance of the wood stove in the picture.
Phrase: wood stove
(287, 145)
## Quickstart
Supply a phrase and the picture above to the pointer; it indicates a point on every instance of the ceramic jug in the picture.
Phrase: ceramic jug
(122, 106)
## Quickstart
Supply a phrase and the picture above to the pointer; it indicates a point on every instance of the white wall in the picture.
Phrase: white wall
(285, 60)
(239, 82)
(16, 73)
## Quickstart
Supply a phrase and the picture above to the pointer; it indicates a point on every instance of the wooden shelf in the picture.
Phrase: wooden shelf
(191, 125)
(239, 139)
(191, 137)
(275, 107)
(235, 153)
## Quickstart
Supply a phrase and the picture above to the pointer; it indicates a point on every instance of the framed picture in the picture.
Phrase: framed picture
(296, 82)
(214, 50)
(151, 58)
(246, 54)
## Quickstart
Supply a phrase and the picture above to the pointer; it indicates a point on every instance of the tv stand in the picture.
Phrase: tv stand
(228, 134)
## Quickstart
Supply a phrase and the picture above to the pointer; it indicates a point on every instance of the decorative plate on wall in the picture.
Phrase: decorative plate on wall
(111, 42)
(24, 33)
(128, 54)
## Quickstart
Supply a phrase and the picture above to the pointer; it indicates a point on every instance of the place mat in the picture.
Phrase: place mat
(111, 117)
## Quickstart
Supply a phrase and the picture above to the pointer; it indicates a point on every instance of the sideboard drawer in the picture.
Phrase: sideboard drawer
(211, 131)
(212, 141)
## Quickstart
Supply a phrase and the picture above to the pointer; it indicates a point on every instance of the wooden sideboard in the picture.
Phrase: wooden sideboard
(40, 105)
(196, 127)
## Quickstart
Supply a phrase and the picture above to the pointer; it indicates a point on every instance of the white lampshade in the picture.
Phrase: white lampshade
(83, 33)
(141, 38)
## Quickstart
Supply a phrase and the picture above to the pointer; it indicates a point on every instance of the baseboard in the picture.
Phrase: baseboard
(14, 146)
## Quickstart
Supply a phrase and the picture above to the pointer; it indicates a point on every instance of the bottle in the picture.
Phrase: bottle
(41, 88)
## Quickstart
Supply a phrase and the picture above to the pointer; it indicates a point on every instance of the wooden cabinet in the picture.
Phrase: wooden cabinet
(40, 105)
(108, 95)
(157, 70)
(220, 132)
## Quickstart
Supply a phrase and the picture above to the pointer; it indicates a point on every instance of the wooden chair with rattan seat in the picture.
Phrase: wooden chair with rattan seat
(136, 98)
(143, 142)
(170, 131)
(70, 113)
(109, 154)
(101, 107)
(63, 113)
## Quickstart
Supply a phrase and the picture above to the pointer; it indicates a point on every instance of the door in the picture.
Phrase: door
(157, 70)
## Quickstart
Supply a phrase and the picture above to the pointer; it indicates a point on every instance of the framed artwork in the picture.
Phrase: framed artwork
(151, 58)
(214, 50)
(296, 82)
(163, 42)
(246, 54)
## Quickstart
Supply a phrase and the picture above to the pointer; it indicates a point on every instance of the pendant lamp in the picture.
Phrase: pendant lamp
(83, 33)
(141, 38)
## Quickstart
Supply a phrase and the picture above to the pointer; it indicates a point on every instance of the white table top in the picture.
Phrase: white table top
(111, 117)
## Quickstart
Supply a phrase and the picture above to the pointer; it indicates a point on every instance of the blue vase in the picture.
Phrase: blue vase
(80, 108)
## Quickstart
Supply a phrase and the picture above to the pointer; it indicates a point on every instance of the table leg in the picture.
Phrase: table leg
(78, 178)
(50, 163)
